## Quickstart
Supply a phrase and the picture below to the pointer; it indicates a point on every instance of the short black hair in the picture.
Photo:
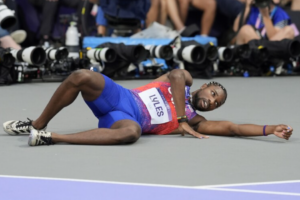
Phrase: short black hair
(221, 86)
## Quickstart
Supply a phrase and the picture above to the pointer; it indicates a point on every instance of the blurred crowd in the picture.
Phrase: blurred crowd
(41, 22)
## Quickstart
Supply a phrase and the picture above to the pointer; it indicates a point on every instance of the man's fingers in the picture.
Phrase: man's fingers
(288, 129)
(200, 136)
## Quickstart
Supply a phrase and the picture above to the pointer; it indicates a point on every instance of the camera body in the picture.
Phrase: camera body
(262, 3)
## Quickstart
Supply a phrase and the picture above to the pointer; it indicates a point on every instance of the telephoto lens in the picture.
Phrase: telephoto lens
(191, 54)
(211, 51)
(6, 58)
(160, 51)
(225, 54)
(31, 55)
(102, 54)
(7, 18)
(259, 54)
(283, 49)
(241, 51)
(134, 53)
(57, 54)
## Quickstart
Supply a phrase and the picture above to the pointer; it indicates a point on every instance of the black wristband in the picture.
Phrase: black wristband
(182, 120)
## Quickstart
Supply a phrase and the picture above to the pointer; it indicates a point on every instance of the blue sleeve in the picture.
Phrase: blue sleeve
(281, 18)
(253, 14)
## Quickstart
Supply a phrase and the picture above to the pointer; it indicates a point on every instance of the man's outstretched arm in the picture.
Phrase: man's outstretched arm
(226, 128)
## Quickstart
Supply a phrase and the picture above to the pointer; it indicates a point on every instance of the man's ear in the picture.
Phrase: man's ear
(203, 86)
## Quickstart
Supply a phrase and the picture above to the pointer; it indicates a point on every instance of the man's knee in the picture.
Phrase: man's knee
(129, 135)
(80, 77)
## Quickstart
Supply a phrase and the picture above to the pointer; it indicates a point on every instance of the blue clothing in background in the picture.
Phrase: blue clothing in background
(137, 9)
(3, 32)
(280, 18)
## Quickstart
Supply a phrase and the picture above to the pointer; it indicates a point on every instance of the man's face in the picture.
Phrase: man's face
(208, 98)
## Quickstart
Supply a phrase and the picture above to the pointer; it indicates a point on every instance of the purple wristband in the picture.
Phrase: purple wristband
(264, 130)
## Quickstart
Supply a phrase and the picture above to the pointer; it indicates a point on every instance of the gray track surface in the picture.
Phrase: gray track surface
(168, 160)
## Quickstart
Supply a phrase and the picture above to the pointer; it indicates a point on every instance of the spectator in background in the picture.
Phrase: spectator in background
(49, 12)
(270, 23)
(178, 13)
(121, 9)
(294, 4)
(157, 12)
(6, 41)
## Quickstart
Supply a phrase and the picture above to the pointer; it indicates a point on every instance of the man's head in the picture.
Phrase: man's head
(209, 97)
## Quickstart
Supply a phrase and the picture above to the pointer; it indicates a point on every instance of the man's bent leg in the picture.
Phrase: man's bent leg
(89, 83)
(121, 132)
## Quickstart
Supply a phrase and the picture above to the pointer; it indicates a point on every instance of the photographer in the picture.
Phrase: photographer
(264, 20)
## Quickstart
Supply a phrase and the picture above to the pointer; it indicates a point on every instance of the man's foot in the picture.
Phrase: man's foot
(15, 127)
(39, 138)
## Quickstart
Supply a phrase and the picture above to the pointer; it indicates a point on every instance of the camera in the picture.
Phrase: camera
(262, 3)
(7, 18)
(56, 54)
(191, 54)
(6, 58)
(241, 51)
(225, 54)
(160, 51)
(65, 65)
(102, 54)
(32, 55)
(212, 53)
(128, 53)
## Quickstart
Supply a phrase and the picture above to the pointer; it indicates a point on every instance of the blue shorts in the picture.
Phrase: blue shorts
(115, 103)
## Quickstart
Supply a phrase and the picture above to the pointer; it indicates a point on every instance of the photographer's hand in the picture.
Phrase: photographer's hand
(267, 20)
(249, 2)
(265, 12)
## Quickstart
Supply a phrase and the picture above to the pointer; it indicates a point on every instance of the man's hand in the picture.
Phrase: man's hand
(283, 131)
(248, 2)
(265, 12)
(185, 128)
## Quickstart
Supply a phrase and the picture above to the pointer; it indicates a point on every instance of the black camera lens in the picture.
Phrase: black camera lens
(263, 3)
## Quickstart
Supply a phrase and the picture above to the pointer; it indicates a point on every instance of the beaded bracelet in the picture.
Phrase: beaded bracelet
(264, 130)
(182, 119)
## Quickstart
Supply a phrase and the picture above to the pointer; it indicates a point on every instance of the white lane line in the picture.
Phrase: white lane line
(252, 191)
(96, 181)
(246, 184)
(211, 187)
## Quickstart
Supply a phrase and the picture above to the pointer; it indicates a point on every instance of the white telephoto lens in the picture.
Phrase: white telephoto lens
(51, 53)
(103, 54)
(157, 49)
(221, 51)
(14, 53)
(7, 17)
(91, 54)
(187, 53)
(26, 55)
